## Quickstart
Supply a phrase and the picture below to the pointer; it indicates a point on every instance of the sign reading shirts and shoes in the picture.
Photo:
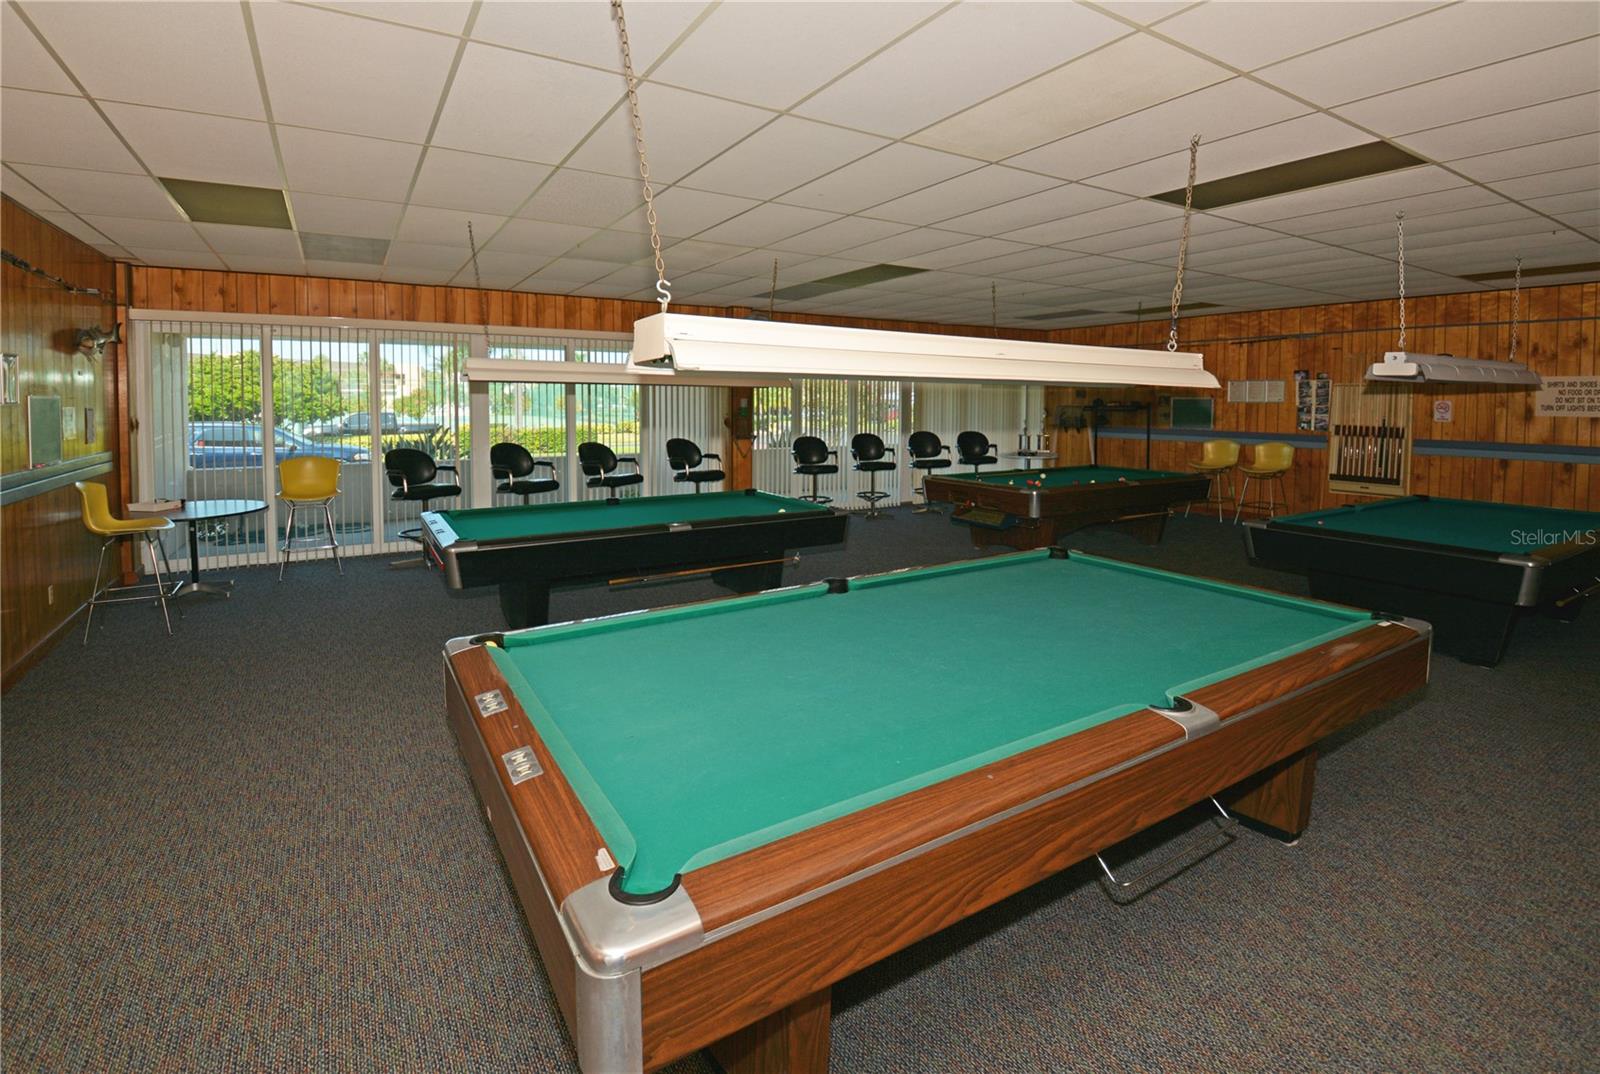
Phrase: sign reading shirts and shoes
(1568, 397)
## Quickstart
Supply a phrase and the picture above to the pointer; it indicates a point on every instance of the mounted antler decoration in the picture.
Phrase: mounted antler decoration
(92, 341)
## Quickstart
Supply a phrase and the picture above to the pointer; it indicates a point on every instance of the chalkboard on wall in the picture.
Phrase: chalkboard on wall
(44, 430)
(1192, 412)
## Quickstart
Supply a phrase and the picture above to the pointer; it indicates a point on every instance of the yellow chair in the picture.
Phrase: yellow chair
(1217, 460)
(308, 481)
(98, 520)
(1268, 463)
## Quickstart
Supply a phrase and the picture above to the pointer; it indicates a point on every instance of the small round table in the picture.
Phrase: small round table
(195, 511)
(1027, 459)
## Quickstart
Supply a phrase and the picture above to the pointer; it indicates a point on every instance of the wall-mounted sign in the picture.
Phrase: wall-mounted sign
(1568, 397)
(1444, 410)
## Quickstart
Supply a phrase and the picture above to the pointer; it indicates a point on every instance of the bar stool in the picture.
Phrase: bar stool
(924, 448)
(310, 482)
(98, 520)
(811, 460)
(1268, 464)
(975, 450)
(1217, 460)
(868, 450)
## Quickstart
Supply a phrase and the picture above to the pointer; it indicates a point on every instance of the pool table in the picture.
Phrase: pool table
(1469, 568)
(1036, 508)
(701, 856)
(740, 539)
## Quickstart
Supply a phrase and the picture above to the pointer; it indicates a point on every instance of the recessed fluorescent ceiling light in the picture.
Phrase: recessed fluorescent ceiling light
(1373, 158)
(349, 248)
(844, 281)
(225, 203)
(1547, 270)
(1186, 306)
(1059, 314)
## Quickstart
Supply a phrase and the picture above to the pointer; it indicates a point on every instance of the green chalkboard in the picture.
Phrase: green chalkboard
(1192, 412)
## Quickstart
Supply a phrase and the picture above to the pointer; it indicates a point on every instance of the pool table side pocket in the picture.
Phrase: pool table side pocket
(545, 867)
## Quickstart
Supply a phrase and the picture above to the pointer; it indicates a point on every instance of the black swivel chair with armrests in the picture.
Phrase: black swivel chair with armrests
(811, 460)
(415, 477)
(513, 466)
(974, 450)
(868, 450)
(599, 465)
(685, 457)
(924, 448)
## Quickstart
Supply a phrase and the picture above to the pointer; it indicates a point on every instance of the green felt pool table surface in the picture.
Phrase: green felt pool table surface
(1065, 476)
(676, 776)
(584, 516)
(1470, 524)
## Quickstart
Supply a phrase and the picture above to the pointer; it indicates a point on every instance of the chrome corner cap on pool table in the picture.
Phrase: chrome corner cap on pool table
(612, 937)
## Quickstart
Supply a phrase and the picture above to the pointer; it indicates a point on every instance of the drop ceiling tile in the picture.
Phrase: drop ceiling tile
(1158, 240)
(1508, 130)
(683, 211)
(1442, 42)
(24, 193)
(1125, 76)
(1563, 181)
(584, 32)
(1219, 111)
(344, 270)
(758, 263)
(447, 227)
(619, 247)
(964, 253)
(1021, 260)
(887, 174)
(444, 18)
(186, 52)
(1527, 80)
(1280, 143)
(634, 276)
(1381, 226)
(906, 244)
(1248, 35)
(1146, 12)
(1067, 200)
(693, 255)
(490, 79)
(1585, 220)
(694, 284)
(782, 155)
(280, 266)
(804, 272)
(774, 54)
(538, 237)
(421, 276)
(102, 192)
(1452, 200)
(191, 145)
(260, 241)
(64, 132)
(978, 189)
(327, 215)
(1582, 151)
(839, 235)
(1077, 265)
(574, 197)
(1097, 222)
(503, 265)
(424, 255)
(766, 224)
(149, 234)
(684, 131)
(472, 182)
(199, 259)
(345, 165)
(24, 64)
(1016, 41)
(1576, 201)
(359, 76)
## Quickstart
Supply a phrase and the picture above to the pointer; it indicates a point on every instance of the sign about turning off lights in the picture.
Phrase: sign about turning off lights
(1568, 397)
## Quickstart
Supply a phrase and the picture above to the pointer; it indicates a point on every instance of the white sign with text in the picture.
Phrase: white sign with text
(1568, 397)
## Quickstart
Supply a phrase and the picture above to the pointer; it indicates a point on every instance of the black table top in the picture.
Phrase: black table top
(200, 510)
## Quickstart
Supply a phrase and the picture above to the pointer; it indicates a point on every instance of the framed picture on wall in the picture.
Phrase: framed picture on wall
(8, 380)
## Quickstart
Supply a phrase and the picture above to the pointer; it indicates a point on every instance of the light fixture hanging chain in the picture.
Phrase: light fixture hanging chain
(663, 285)
(1400, 260)
(772, 292)
(994, 307)
(477, 281)
(1183, 243)
(1516, 309)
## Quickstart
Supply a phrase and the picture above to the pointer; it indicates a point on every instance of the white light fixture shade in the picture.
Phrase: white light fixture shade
(1406, 367)
(686, 343)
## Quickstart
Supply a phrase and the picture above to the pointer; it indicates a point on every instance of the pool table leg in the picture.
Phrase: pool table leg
(525, 603)
(1277, 799)
(792, 1041)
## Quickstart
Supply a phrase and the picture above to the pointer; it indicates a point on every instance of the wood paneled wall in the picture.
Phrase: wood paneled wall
(43, 545)
(1558, 332)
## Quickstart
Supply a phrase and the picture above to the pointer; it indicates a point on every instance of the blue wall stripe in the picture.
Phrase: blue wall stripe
(1569, 453)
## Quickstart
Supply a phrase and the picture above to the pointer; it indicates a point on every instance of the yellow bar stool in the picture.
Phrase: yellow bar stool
(1268, 464)
(308, 482)
(98, 520)
(1217, 460)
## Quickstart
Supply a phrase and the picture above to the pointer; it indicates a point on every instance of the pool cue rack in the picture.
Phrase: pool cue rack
(1094, 415)
(1369, 440)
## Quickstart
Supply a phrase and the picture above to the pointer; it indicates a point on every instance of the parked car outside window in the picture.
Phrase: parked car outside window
(238, 444)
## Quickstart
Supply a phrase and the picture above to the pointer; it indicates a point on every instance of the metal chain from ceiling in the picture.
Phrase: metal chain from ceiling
(1183, 243)
(663, 285)
(1516, 309)
(477, 281)
(1400, 260)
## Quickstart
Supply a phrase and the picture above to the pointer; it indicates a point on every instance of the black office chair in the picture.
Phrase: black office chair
(924, 448)
(974, 450)
(811, 460)
(512, 465)
(415, 477)
(868, 450)
(599, 464)
(684, 456)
